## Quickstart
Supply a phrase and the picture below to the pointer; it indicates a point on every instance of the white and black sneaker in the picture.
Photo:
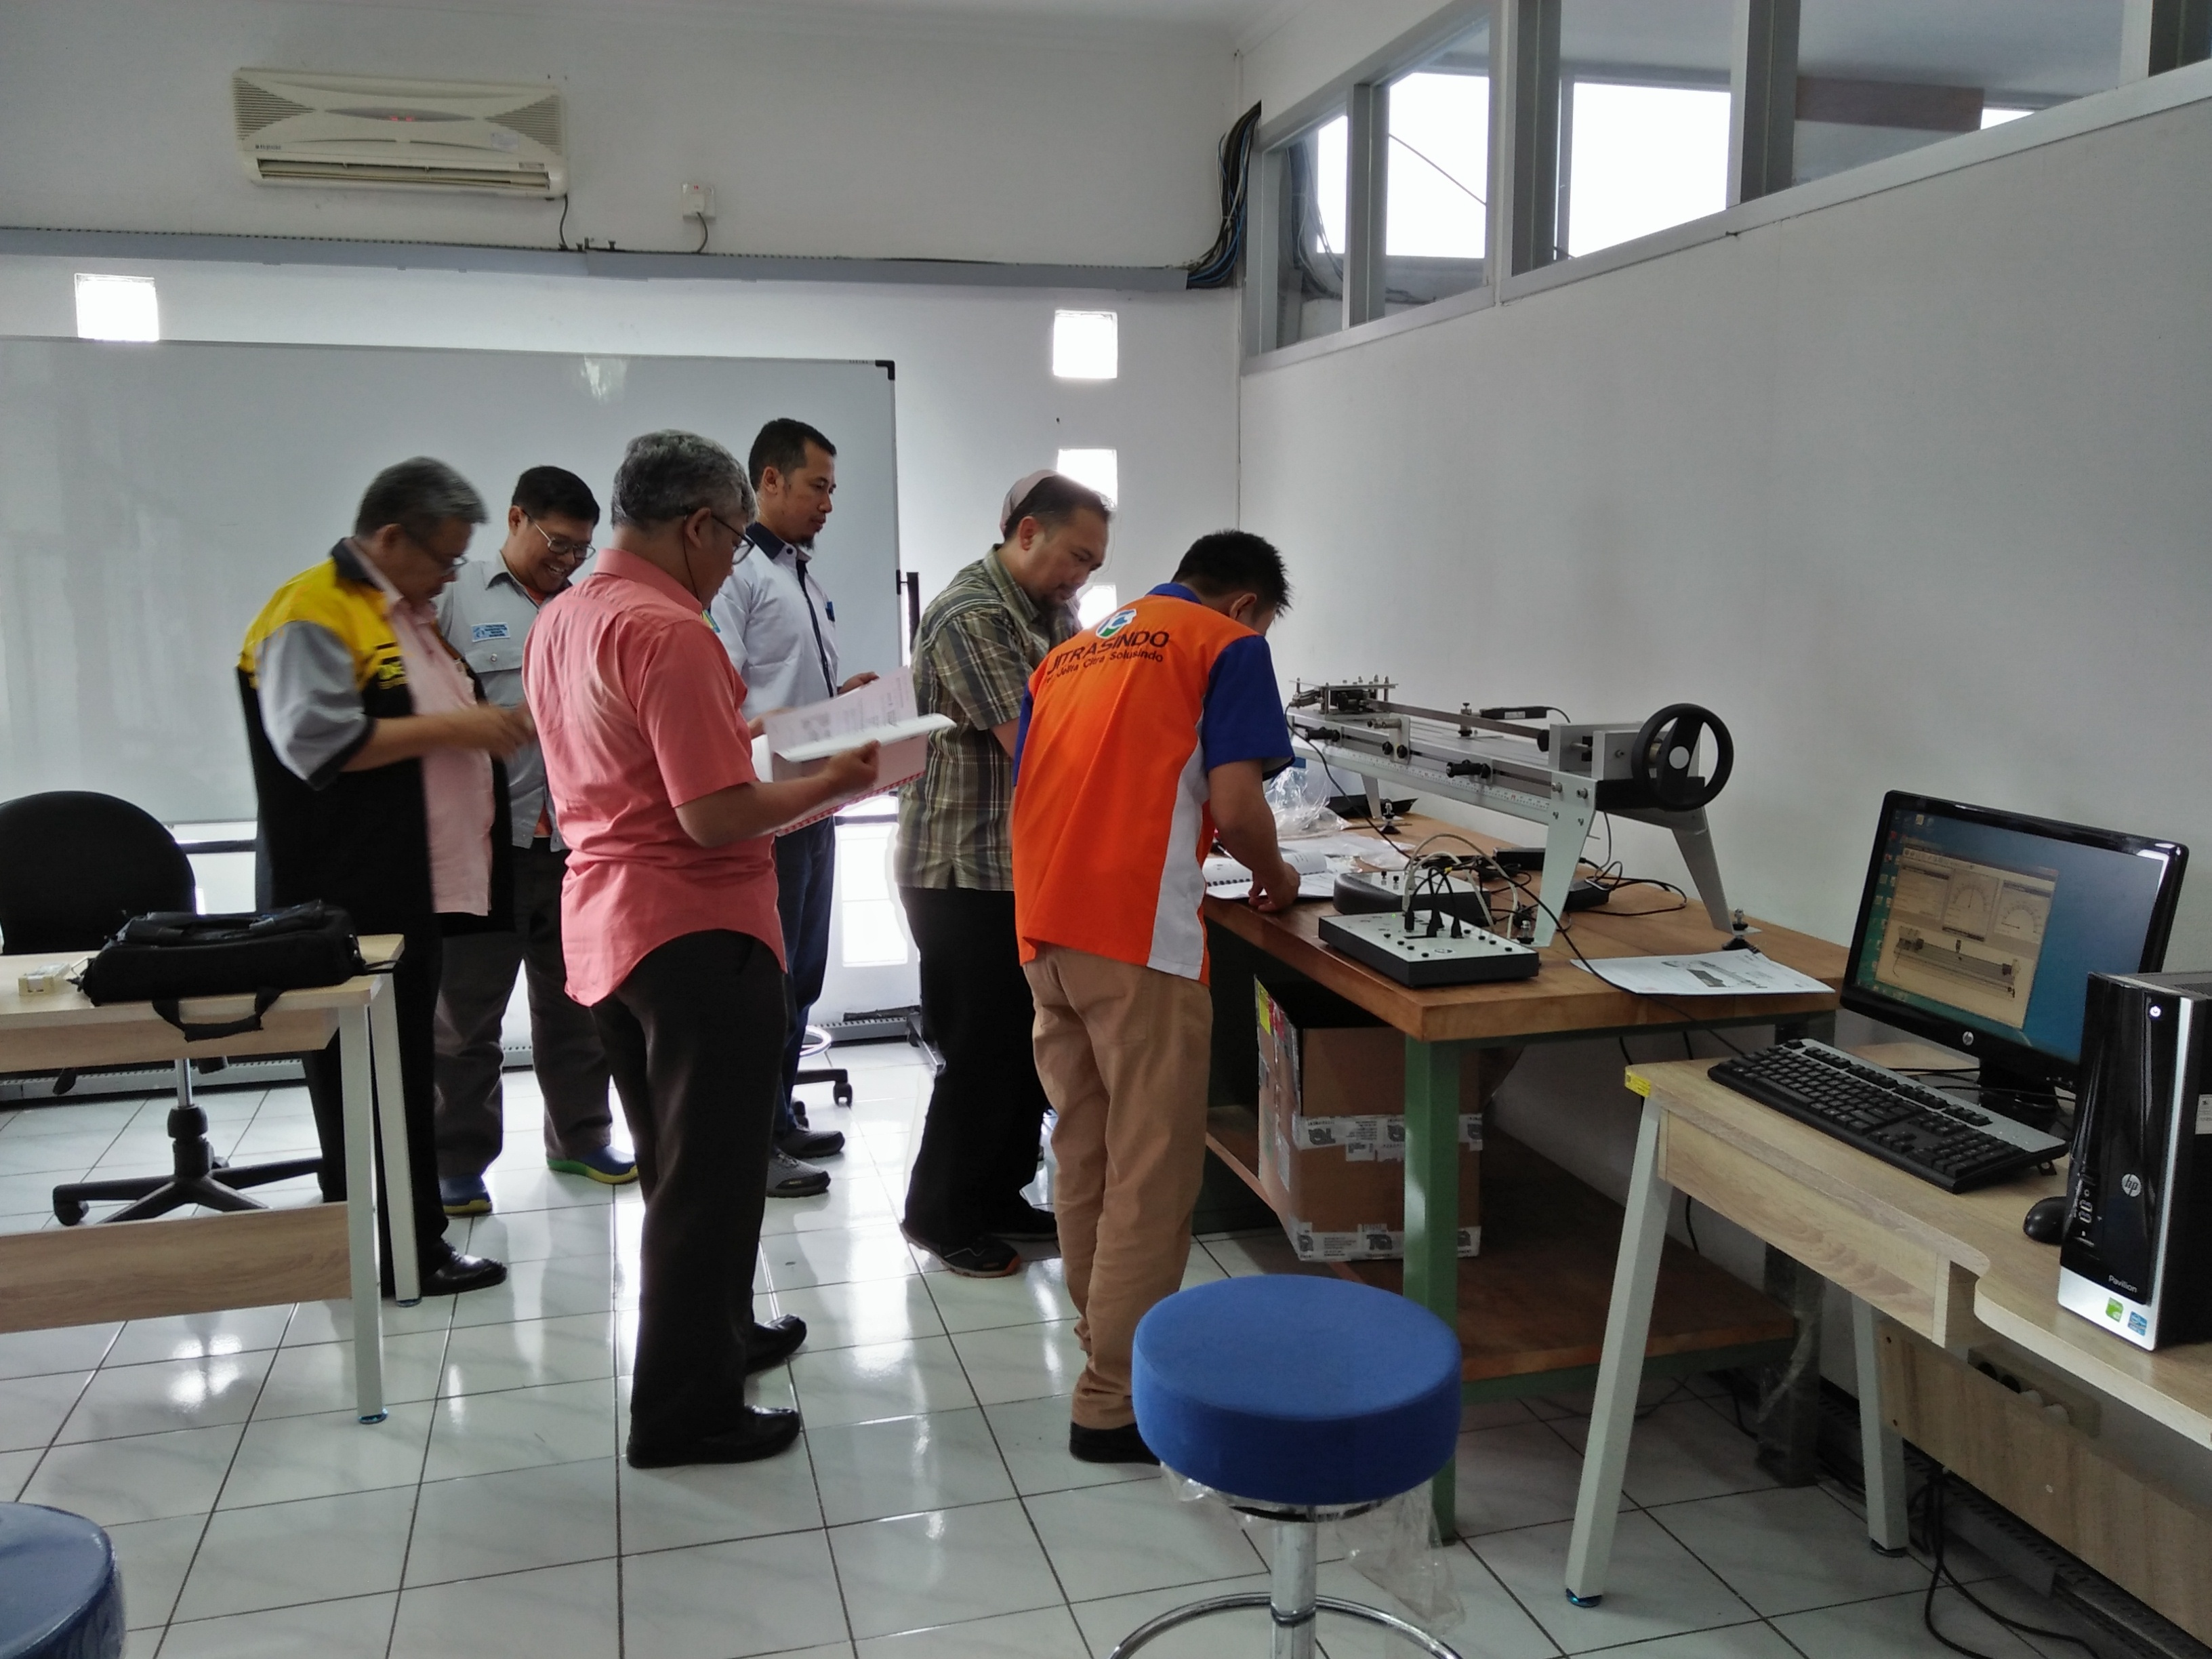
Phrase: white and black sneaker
(788, 1178)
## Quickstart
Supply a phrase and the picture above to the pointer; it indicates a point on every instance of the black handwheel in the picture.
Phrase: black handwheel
(1666, 751)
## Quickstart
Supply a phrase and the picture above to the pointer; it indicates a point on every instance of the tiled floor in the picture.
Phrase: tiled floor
(931, 1512)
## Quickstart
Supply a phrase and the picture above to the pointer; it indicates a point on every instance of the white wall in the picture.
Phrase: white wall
(822, 133)
(977, 404)
(1298, 53)
(1911, 490)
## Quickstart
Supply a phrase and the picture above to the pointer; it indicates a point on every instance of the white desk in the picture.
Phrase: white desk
(141, 1269)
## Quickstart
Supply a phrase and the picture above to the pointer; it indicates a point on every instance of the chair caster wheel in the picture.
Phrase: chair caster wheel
(68, 1211)
(842, 1094)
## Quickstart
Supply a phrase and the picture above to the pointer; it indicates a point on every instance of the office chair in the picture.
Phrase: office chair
(74, 867)
(816, 1045)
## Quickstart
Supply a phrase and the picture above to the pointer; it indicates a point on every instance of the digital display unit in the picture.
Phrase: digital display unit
(1981, 928)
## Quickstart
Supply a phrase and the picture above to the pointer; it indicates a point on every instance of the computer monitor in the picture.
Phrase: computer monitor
(1979, 929)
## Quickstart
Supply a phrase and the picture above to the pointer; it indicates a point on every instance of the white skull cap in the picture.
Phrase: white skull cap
(1017, 494)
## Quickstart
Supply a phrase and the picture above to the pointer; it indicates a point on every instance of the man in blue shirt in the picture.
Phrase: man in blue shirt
(781, 629)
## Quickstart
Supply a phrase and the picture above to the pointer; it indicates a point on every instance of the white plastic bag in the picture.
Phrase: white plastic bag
(1300, 800)
(1394, 1547)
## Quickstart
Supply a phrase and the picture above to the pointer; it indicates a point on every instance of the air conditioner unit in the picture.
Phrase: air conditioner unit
(295, 128)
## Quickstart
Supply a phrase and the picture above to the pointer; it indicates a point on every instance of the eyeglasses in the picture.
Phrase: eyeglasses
(725, 525)
(560, 547)
(445, 564)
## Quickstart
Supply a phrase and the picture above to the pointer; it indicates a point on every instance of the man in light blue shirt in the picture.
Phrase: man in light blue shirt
(781, 629)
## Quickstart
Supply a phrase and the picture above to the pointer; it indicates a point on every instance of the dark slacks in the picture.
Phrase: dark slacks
(564, 1041)
(695, 1036)
(805, 875)
(415, 998)
(979, 1143)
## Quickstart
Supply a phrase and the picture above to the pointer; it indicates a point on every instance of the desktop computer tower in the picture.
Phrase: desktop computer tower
(2135, 1256)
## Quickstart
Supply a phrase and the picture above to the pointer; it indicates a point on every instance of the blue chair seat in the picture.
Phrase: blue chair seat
(1297, 1391)
(61, 1596)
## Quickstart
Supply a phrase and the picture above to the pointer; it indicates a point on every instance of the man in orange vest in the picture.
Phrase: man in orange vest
(1143, 740)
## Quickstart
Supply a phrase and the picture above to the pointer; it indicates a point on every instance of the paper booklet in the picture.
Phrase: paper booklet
(799, 740)
(1711, 974)
(1225, 878)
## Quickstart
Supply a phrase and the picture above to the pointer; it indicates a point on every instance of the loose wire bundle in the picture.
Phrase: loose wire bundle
(1217, 264)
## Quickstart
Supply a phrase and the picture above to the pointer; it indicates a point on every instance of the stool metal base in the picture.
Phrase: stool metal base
(1291, 1603)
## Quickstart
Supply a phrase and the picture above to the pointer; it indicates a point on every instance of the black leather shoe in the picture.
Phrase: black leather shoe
(773, 1343)
(804, 1142)
(463, 1273)
(755, 1434)
(1122, 1445)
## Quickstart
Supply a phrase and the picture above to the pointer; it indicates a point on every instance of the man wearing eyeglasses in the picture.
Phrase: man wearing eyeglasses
(485, 615)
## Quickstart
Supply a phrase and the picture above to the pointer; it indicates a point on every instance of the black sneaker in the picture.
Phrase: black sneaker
(788, 1178)
(1122, 1445)
(982, 1257)
(1028, 1224)
(803, 1142)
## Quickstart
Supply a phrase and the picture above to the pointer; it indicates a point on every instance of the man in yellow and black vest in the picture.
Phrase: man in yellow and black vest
(377, 766)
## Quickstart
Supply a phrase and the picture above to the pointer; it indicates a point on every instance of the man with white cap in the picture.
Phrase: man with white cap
(980, 641)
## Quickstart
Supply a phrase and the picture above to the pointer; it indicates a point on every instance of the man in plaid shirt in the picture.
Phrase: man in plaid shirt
(980, 640)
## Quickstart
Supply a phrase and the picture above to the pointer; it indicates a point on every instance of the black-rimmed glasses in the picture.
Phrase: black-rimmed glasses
(560, 546)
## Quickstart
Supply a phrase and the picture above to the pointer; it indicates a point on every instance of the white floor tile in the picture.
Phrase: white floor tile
(148, 1477)
(522, 1428)
(69, 1348)
(1785, 1551)
(731, 1600)
(1047, 1633)
(1110, 1540)
(1656, 1587)
(357, 1629)
(285, 1458)
(708, 1503)
(541, 1289)
(1032, 1436)
(1521, 1475)
(1020, 1362)
(557, 1612)
(317, 1377)
(1225, 1636)
(33, 1409)
(1891, 1627)
(906, 1464)
(332, 1322)
(174, 1394)
(540, 1235)
(154, 1556)
(276, 1555)
(16, 1468)
(1038, 1293)
(795, 1260)
(890, 1379)
(1682, 1452)
(529, 1352)
(475, 1527)
(200, 1335)
(514, 1186)
(1491, 1624)
(939, 1568)
(869, 1311)
(89, 1117)
(56, 1158)
(1758, 1641)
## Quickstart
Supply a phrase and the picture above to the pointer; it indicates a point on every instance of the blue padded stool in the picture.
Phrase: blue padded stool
(61, 1596)
(1300, 1400)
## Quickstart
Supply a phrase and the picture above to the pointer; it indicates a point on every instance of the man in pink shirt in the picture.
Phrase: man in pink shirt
(669, 924)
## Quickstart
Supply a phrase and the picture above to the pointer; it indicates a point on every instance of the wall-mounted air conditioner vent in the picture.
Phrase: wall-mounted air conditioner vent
(295, 128)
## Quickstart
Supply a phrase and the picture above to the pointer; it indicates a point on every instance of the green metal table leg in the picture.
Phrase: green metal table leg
(1432, 1208)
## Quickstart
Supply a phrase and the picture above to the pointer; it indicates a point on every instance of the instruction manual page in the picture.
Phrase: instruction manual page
(1712, 974)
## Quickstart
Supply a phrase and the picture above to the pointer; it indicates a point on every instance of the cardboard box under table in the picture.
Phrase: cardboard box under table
(1332, 1129)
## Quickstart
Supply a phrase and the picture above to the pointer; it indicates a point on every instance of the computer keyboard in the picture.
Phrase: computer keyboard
(1938, 1137)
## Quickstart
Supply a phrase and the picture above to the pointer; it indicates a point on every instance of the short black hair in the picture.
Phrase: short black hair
(1053, 501)
(783, 445)
(545, 489)
(1235, 561)
(418, 496)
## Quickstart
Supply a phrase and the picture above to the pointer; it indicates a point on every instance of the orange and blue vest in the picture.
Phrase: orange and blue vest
(1120, 729)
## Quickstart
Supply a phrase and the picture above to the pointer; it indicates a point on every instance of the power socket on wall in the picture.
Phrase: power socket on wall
(699, 203)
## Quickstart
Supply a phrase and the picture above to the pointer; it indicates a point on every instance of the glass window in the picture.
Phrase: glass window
(1643, 117)
(1437, 173)
(1086, 345)
(1094, 469)
(1879, 77)
(1310, 249)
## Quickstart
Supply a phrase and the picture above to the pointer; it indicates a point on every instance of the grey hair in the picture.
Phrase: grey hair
(671, 475)
(418, 496)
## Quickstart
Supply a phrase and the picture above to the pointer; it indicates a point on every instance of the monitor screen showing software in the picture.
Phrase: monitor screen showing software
(1999, 929)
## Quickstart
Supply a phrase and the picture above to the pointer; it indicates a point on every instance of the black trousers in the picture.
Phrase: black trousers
(979, 1143)
(694, 1036)
(415, 997)
(564, 1041)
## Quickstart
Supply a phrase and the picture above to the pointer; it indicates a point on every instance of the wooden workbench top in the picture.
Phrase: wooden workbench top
(2016, 1290)
(1562, 998)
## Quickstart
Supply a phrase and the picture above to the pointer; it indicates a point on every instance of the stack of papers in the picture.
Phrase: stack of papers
(1225, 878)
(1712, 974)
(799, 740)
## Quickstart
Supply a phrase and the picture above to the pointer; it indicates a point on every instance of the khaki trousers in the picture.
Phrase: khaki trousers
(1123, 1054)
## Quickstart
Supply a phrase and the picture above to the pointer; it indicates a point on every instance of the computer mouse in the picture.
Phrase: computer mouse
(2046, 1220)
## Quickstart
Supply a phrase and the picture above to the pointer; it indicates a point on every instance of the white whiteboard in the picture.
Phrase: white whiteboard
(152, 496)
